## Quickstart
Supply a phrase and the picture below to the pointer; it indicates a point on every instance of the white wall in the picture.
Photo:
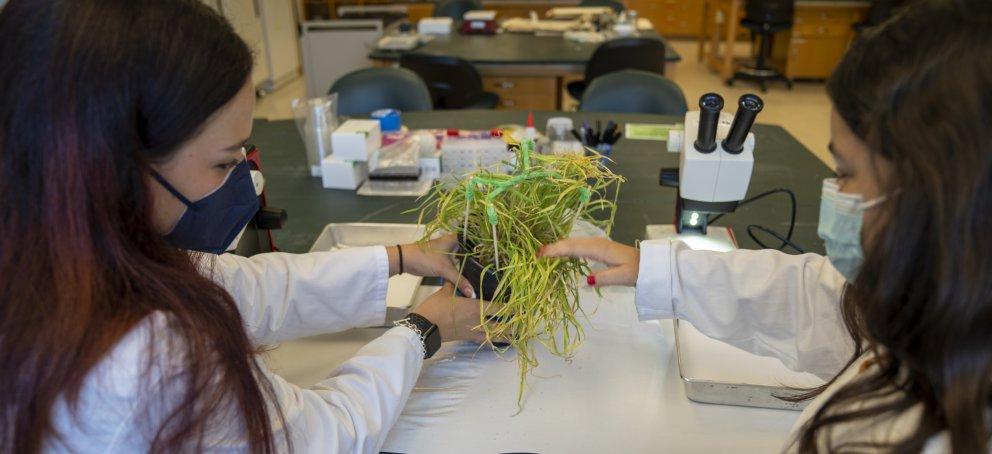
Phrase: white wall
(245, 17)
(281, 38)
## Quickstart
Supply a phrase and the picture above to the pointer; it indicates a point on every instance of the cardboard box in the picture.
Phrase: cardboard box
(355, 140)
(340, 174)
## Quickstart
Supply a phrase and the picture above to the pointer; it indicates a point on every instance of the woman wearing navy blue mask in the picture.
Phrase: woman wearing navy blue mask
(122, 174)
(898, 316)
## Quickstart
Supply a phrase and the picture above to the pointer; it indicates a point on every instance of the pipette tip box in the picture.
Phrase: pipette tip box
(355, 140)
(337, 173)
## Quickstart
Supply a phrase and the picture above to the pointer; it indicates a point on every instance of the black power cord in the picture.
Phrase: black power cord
(787, 239)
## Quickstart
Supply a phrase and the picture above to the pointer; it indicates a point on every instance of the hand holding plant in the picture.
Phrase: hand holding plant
(501, 220)
(434, 259)
(622, 261)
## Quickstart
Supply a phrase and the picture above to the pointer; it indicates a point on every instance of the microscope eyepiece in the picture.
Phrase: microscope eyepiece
(710, 106)
(747, 110)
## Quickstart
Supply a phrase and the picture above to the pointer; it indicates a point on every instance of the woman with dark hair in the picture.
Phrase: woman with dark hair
(898, 316)
(122, 125)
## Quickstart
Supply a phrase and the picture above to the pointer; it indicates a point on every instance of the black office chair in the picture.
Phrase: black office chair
(634, 91)
(456, 9)
(646, 54)
(365, 90)
(454, 83)
(879, 11)
(765, 18)
(615, 4)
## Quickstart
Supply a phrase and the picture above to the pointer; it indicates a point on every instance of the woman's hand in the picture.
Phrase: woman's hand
(431, 259)
(455, 317)
(623, 261)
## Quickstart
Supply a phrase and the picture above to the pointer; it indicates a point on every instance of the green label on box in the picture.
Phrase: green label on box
(650, 131)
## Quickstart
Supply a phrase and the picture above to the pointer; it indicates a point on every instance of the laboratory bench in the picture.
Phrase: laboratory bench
(622, 391)
(672, 18)
(780, 161)
(418, 9)
(810, 50)
(527, 71)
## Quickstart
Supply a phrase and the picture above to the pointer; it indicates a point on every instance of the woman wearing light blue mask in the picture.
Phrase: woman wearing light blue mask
(898, 316)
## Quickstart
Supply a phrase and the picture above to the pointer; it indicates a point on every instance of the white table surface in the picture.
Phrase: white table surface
(620, 393)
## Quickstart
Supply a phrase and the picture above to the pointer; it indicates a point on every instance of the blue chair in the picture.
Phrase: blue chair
(634, 91)
(615, 4)
(643, 53)
(456, 9)
(366, 90)
(453, 82)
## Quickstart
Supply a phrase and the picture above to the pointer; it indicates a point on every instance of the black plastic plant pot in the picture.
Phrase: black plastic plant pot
(485, 284)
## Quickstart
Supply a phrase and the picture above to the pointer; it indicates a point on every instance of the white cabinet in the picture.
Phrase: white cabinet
(332, 49)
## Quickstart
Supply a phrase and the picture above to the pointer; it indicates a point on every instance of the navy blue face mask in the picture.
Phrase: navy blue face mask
(213, 222)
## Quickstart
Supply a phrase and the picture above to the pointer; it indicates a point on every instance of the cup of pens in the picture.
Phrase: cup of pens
(598, 138)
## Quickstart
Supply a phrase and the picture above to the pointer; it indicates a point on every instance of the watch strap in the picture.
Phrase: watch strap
(425, 329)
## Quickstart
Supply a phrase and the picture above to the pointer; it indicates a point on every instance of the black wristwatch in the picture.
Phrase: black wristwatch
(427, 331)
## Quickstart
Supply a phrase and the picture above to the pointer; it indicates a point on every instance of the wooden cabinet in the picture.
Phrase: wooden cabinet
(523, 93)
(811, 49)
(814, 58)
(819, 38)
(672, 18)
(417, 11)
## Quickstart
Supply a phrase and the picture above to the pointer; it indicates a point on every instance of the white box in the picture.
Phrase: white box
(435, 26)
(355, 140)
(430, 165)
(340, 174)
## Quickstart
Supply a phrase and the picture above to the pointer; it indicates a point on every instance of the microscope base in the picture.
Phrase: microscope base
(716, 238)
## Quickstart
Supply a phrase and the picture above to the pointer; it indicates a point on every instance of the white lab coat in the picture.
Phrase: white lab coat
(281, 297)
(771, 304)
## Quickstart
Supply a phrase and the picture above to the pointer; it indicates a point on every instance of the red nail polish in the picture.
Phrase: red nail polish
(540, 251)
(591, 280)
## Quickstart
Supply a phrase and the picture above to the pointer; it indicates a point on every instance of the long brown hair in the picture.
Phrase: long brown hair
(91, 92)
(918, 91)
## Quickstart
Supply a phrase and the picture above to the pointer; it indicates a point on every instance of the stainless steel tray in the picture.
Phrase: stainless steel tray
(728, 393)
(403, 290)
(358, 234)
(733, 387)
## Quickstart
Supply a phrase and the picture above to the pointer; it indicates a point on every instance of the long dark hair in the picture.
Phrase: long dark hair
(918, 91)
(91, 91)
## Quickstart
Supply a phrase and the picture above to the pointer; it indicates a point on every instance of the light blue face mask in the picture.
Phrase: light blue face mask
(841, 216)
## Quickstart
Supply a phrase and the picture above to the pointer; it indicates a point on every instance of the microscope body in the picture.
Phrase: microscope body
(716, 161)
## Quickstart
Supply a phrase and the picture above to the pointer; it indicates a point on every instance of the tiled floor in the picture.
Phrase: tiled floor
(804, 111)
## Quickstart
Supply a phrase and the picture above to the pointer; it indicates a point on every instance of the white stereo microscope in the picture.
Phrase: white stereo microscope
(717, 157)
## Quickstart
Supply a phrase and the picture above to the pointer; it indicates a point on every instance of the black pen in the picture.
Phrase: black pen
(577, 136)
(608, 132)
(617, 135)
